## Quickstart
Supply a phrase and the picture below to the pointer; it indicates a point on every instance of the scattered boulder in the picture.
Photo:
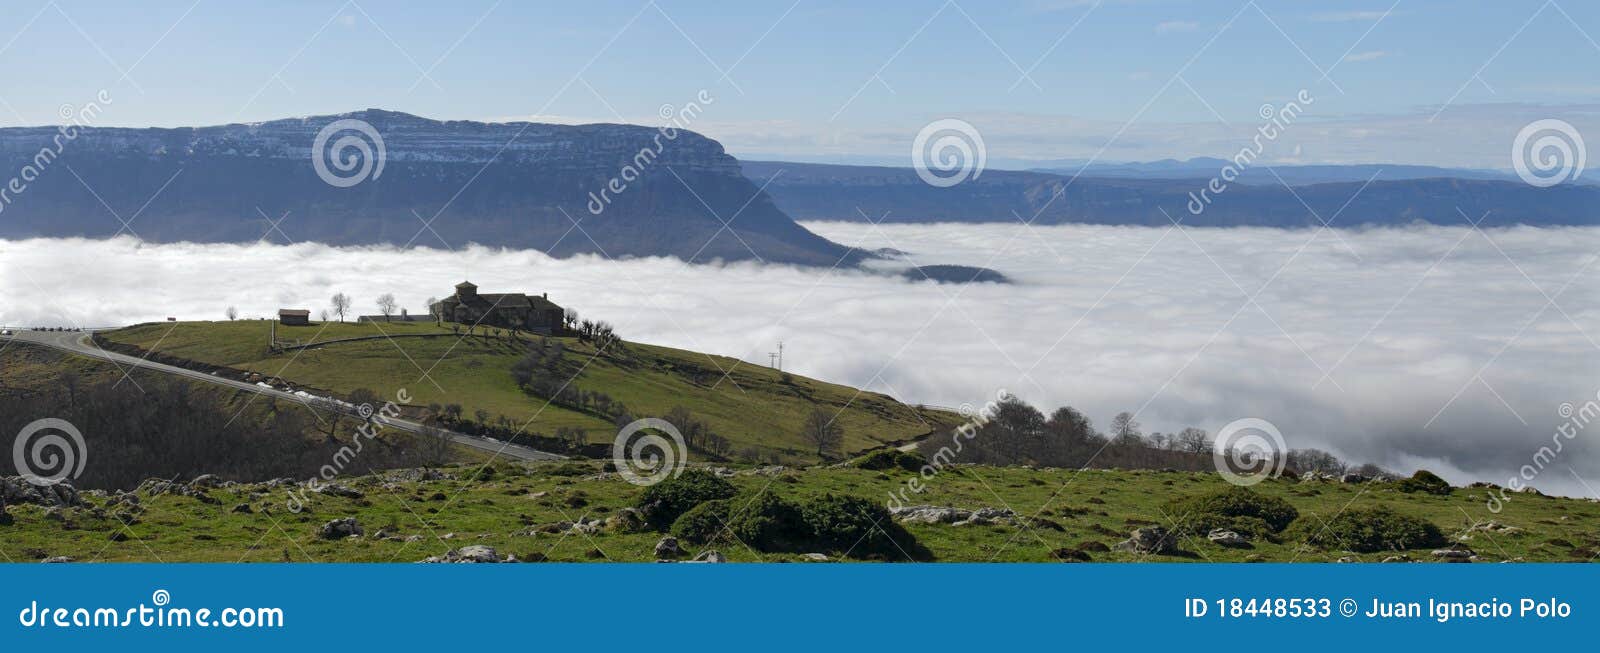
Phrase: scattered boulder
(1352, 478)
(1227, 538)
(337, 490)
(667, 548)
(340, 529)
(57, 559)
(816, 557)
(206, 481)
(952, 516)
(243, 508)
(17, 490)
(1149, 540)
(1454, 554)
(473, 553)
(711, 556)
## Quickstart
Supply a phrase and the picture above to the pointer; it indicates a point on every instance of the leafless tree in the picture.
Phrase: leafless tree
(341, 303)
(386, 305)
(821, 430)
(1193, 440)
(233, 313)
(1124, 430)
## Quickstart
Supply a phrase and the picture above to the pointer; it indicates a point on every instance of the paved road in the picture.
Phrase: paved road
(78, 343)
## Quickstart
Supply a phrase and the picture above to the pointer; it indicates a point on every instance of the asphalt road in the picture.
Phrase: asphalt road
(78, 343)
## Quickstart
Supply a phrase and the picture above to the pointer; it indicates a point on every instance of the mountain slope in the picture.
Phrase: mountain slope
(832, 192)
(520, 185)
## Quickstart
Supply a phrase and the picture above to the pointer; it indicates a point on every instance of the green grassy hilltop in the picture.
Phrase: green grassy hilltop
(754, 407)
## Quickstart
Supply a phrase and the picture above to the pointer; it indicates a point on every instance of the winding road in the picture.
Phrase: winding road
(78, 343)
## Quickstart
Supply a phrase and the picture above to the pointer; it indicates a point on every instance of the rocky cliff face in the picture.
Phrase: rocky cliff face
(517, 185)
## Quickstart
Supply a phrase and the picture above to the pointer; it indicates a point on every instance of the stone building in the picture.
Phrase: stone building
(505, 310)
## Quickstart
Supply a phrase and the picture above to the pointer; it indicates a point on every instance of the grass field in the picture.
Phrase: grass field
(507, 511)
(752, 406)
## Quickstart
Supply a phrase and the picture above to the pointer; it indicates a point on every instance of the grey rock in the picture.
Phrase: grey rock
(1149, 539)
(340, 528)
(1227, 538)
(667, 548)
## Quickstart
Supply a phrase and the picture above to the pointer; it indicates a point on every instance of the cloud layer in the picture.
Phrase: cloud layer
(1440, 346)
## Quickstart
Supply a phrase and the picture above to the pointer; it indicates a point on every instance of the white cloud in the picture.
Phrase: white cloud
(1102, 318)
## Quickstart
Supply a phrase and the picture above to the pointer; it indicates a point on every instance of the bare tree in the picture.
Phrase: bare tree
(386, 305)
(433, 445)
(821, 430)
(233, 313)
(341, 303)
(431, 311)
(1124, 430)
(1193, 440)
(323, 316)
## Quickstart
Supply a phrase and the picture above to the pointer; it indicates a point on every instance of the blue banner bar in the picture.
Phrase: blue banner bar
(738, 607)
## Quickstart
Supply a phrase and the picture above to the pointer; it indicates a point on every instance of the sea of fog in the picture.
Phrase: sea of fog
(1438, 347)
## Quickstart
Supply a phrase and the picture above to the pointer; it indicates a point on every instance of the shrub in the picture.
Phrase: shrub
(702, 524)
(1365, 530)
(885, 459)
(1424, 481)
(857, 527)
(769, 523)
(664, 502)
(1238, 509)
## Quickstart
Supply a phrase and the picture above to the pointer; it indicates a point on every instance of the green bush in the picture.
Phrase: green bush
(769, 523)
(703, 524)
(662, 503)
(885, 459)
(1424, 481)
(1238, 509)
(1365, 530)
(858, 528)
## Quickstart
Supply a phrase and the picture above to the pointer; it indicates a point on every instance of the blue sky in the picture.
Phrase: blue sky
(1117, 80)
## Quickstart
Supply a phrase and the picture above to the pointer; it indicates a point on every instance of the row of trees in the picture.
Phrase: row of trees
(1017, 433)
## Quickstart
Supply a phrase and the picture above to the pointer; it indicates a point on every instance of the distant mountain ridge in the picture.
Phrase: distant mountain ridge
(519, 185)
(860, 193)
